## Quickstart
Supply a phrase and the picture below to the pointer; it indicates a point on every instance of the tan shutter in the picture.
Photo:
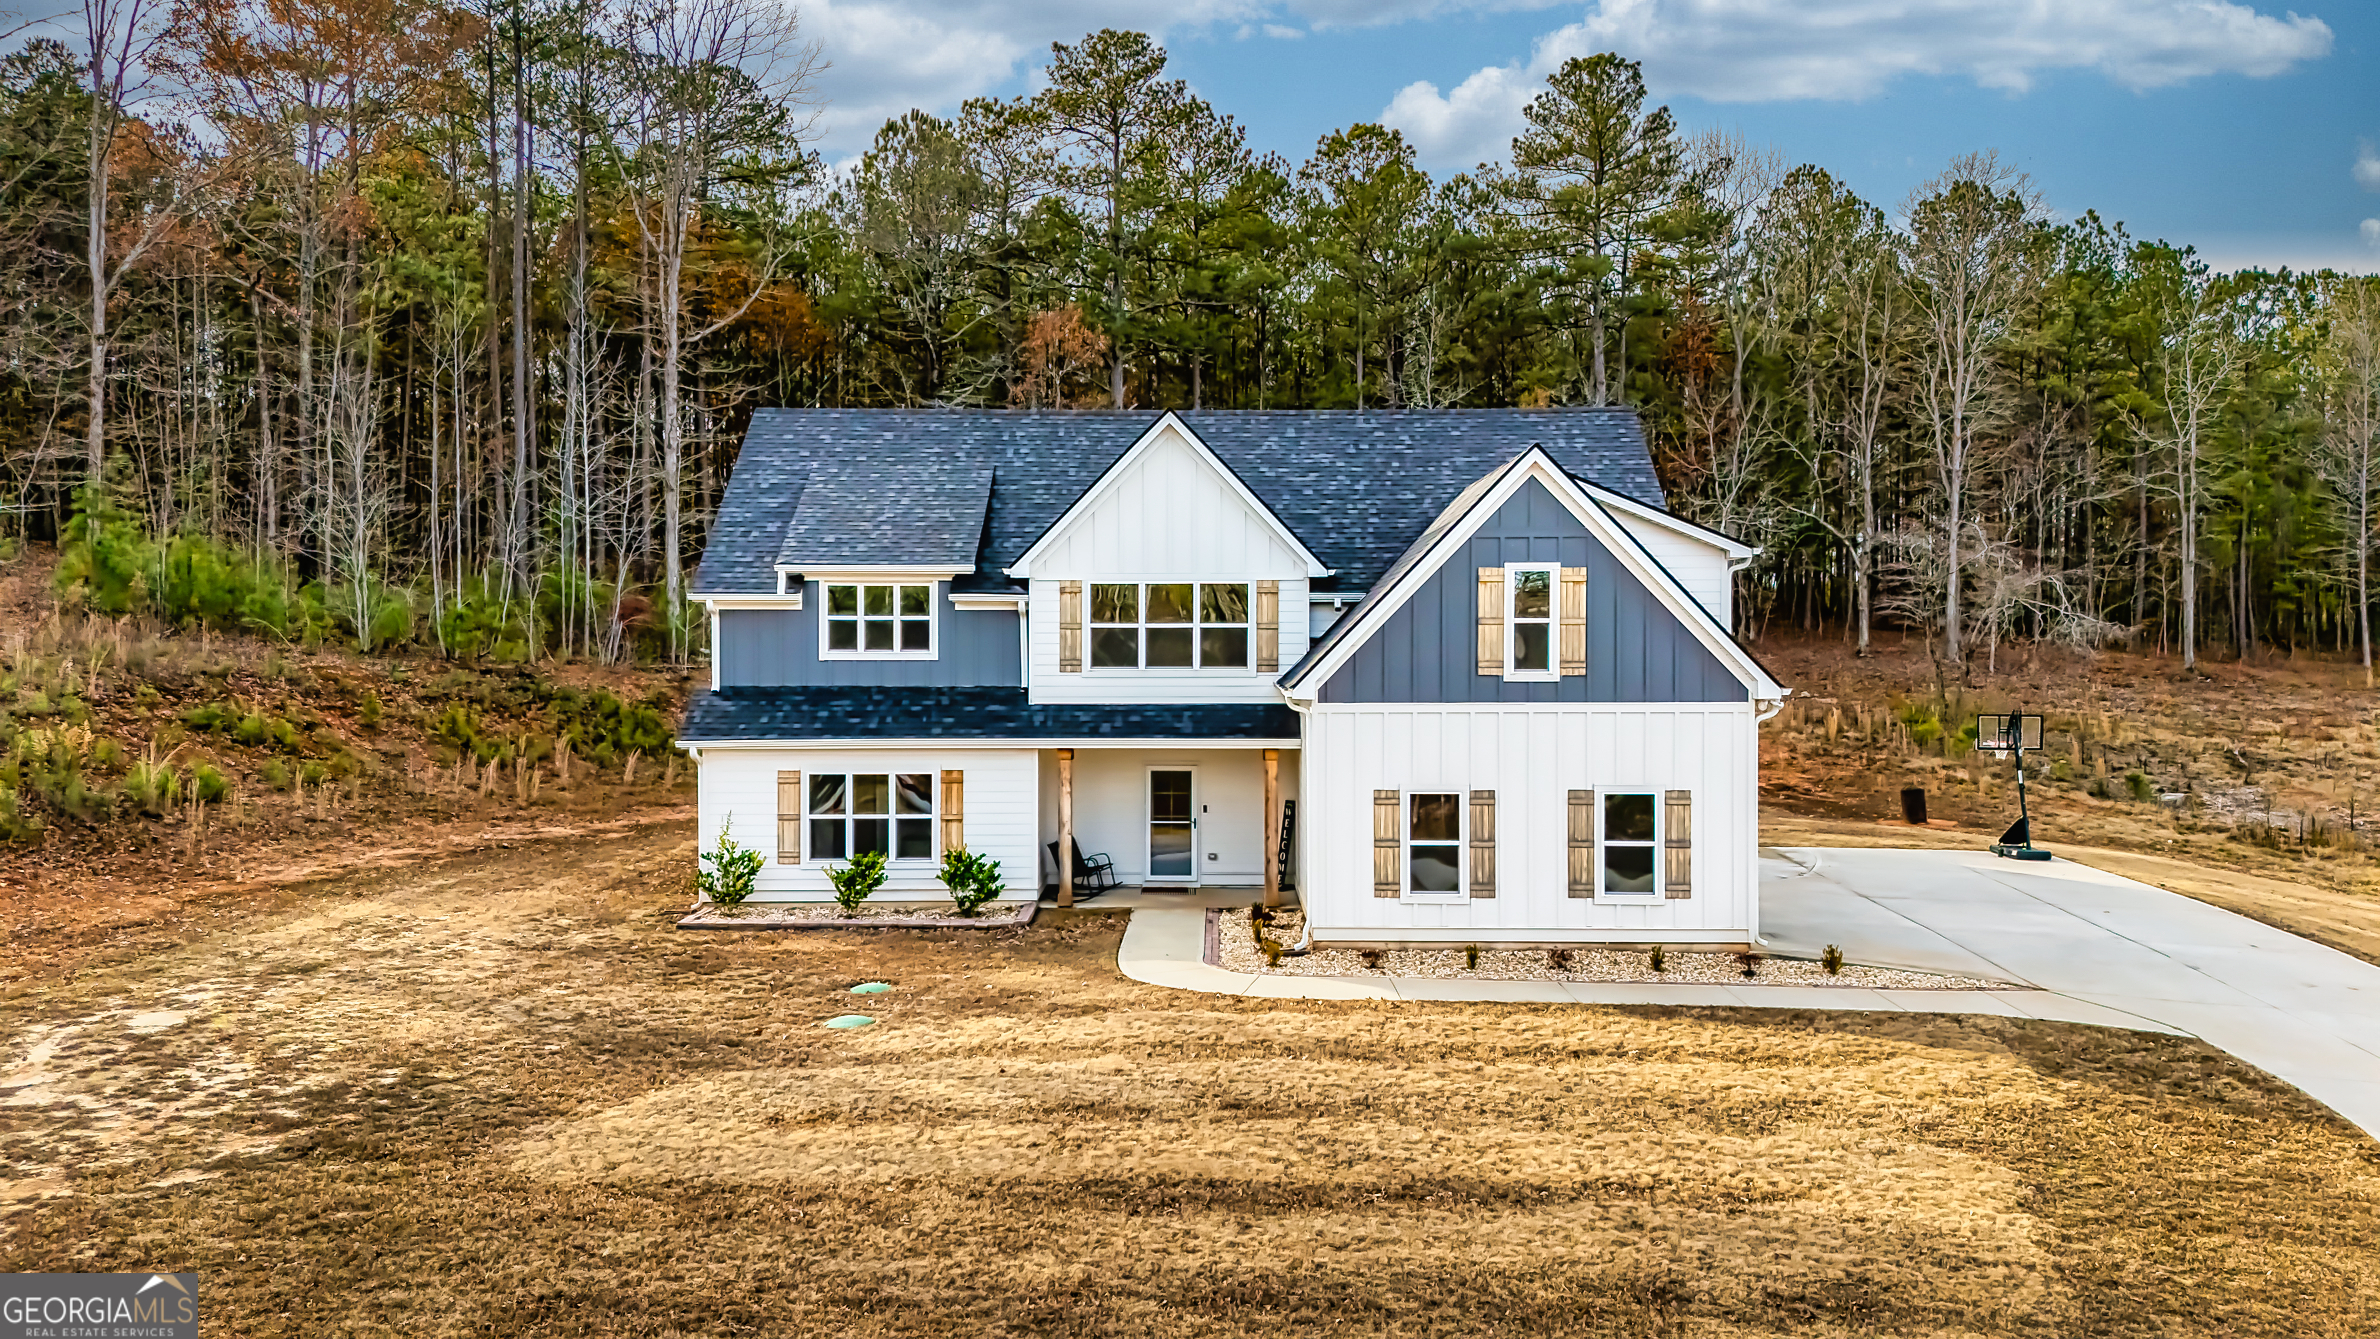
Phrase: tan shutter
(1574, 621)
(1491, 621)
(1070, 627)
(789, 818)
(1268, 627)
(1388, 845)
(1582, 843)
(954, 811)
(1677, 844)
(1483, 843)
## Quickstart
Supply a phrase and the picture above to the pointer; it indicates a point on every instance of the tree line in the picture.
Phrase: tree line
(401, 320)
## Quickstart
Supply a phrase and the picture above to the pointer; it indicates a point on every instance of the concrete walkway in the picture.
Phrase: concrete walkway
(2087, 947)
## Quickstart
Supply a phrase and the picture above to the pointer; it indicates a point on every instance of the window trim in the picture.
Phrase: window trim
(1655, 897)
(1461, 893)
(1552, 673)
(932, 818)
(1197, 625)
(933, 649)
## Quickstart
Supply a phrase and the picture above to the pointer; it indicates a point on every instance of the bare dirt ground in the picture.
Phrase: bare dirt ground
(496, 1093)
(2249, 785)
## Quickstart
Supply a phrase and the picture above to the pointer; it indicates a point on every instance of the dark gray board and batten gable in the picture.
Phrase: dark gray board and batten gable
(1637, 650)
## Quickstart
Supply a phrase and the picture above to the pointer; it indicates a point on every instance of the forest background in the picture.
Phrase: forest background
(406, 323)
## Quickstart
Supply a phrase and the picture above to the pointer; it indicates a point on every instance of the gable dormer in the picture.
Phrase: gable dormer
(1168, 580)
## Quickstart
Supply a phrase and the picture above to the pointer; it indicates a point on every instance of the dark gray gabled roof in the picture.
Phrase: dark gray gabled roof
(857, 511)
(726, 715)
(1354, 487)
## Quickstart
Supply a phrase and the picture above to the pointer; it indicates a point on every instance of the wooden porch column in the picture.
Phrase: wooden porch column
(1272, 827)
(1066, 827)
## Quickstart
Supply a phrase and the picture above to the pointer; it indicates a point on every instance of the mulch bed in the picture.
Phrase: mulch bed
(829, 916)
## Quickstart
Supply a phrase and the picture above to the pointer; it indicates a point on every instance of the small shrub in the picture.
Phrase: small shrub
(208, 717)
(857, 880)
(1659, 959)
(369, 711)
(1750, 962)
(1470, 957)
(1372, 958)
(2142, 787)
(1558, 959)
(36, 703)
(972, 879)
(153, 788)
(314, 773)
(250, 731)
(147, 695)
(208, 784)
(729, 870)
(1271, 948)
(275, 774)
(15, 825)
(1260, 916)
(1832, 960)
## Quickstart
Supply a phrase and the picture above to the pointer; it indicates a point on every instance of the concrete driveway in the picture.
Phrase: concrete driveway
(2299, 1011)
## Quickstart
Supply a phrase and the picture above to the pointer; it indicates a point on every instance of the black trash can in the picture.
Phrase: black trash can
(1913, 805)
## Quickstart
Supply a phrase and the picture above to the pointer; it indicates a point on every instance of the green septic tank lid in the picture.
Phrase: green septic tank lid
(870, 988)
(850, 1020)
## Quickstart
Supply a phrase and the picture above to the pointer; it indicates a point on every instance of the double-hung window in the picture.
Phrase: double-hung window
(871, 620)
(1434, 842)
(1169, 625)
(1529, 620)
(1630, 857)
(854, 813)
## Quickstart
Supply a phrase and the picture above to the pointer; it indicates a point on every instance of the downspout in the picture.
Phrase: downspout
(1306, 945)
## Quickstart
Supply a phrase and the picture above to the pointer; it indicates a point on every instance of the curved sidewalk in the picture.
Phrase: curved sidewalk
(2089, 946)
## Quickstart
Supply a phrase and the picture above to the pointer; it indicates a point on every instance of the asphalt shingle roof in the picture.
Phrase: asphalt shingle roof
(858, 510)
(785, 714)
(1354, 487)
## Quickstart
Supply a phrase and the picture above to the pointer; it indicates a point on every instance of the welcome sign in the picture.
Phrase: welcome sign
(99, 1306)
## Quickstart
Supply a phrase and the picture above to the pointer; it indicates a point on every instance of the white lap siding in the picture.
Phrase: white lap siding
(998, 813)
(1532, 758)
(1111, 808)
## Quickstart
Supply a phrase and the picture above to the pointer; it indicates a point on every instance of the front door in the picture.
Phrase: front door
(1173, 825)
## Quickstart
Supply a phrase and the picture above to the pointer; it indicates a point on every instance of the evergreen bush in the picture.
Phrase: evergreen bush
(857, 880)
(972, 879)
(728, 870)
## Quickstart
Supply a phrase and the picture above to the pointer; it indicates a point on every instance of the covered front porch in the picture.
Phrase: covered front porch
(1181, 825)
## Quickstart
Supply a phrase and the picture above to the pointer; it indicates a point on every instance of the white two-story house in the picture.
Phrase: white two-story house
(1453, 676)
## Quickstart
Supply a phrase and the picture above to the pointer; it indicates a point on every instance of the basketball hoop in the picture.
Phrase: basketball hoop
(2013, 734)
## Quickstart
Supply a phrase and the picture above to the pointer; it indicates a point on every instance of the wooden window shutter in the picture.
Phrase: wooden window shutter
(1268, 627)
(789, 818)
(1491, 621)
(1582, 843)
(954, 811)
(1388, 844)
(1070, 627)
(1574, 621)
(1483, 843)
(1677, 843)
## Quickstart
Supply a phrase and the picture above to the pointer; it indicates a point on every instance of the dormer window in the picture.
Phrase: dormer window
(870, 622)
(1169, 625)
(1529, 620)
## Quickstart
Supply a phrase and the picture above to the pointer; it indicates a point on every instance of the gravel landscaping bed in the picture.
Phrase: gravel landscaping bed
(828, 915)
(1236, 950)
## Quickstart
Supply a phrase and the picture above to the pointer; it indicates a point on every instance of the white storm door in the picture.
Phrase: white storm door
(1173, 825)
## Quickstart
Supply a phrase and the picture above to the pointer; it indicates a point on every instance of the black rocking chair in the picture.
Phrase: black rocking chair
(1093, 874)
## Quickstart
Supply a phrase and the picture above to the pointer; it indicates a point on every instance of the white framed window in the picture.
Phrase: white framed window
(1434, 843)
(867, 621)
(1529, 622)
(1628, 854)
(854, 812)
(1169, 625)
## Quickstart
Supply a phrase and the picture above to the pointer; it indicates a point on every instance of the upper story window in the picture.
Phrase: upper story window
(870, 621)
(1169, 625)
(1529, 620)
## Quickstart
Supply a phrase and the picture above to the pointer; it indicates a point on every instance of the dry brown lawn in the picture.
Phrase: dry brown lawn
(497, 1094)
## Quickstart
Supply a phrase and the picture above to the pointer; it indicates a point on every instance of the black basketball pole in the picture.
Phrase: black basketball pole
(2017, 842)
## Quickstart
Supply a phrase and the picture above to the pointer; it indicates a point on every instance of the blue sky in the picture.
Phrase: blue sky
(2250, 131)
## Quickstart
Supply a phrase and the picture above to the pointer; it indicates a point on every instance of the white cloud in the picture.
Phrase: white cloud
(2371, 238)
(1780, 50)
(2367, 167)
(1288, 34)
(885, 57)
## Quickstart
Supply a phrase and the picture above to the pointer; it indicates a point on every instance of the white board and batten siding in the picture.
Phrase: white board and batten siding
(1168, 516)
(1699, 565)
(1532, 757)
(739, 787)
